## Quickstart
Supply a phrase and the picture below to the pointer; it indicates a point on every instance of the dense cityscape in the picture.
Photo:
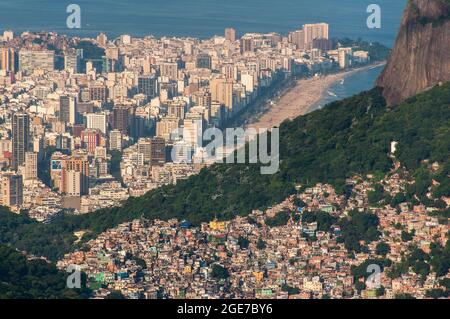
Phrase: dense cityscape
(86, 123)
(110, 190)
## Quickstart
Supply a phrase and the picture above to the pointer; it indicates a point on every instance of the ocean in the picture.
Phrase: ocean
(201, 18)
(206, 18)
(351, 85)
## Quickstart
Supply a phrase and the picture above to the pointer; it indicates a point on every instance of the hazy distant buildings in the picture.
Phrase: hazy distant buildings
(7, 59)
(315, 31)
(8, 35)
(169, 70)
(30, 61)
(230, 34)
(247, 45)
(72, 61)
(102, 40)
(204, 61)
(344, 57)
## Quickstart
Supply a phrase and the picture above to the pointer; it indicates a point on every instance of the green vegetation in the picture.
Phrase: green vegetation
(437, 261)
(377, 51)
(382, 249)
(407, 236)
(377, 195)
(243, 242)
(357, 227)
(279, 219)
(90, 50)
(219, 272)
(32, 279)
(115, 295)
(290, 290)
(324, 220)
(261, 244)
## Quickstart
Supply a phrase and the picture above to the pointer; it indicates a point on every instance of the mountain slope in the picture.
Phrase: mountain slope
(421, 56)
(347, 137)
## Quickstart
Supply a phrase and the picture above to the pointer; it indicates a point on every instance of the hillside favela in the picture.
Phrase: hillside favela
(300, 163)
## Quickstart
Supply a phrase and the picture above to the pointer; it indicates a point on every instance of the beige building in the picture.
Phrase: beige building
(167, 126)
(31, 166)
(11, 190)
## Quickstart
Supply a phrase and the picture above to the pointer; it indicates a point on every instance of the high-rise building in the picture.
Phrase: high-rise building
(222, 92)
(315, 31)
(248, 81)
(7, 59)
(90, 140)
(72, 61)
(176, 109)
(98, 92)
(31, 166)
(247, 45)
(344, 56)
(169, 69)
(115, 140)
(30, 61)
(20, 137)
(298, 38)
(97, 121)
(121, 118)
(229, 70)
(11, 185)
(153, 149)
(167, 126)
(230, 34)
(75, 184)
(147, 85)
(193, 130)
(67, 109)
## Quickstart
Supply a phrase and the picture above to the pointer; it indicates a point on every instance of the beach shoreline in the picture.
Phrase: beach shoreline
(301, 99)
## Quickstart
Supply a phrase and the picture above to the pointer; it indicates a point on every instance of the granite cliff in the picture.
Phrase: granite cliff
(421, 56)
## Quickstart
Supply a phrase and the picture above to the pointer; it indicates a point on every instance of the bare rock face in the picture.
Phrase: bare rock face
(421, 56)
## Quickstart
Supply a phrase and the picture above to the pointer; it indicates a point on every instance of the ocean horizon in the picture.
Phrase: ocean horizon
(201, 18)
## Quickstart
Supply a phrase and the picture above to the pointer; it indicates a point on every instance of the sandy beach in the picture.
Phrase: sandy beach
(299, 100)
